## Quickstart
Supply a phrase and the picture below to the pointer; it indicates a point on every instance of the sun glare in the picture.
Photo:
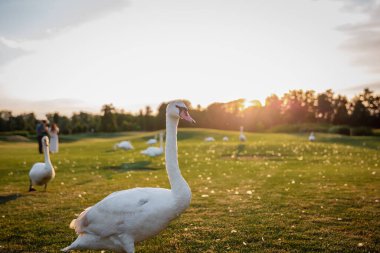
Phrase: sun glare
(247, 104)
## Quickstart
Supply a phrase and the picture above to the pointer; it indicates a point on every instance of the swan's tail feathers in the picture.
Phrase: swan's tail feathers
(71, 247)
(67, 249)
(72, 224)
(81, 222)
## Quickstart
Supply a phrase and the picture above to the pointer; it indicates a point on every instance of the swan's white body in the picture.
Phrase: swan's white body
(129, 216)
(209, 139)
(225, 138)
(42, 173)
(242, 136)
(312, 137)
(154, 151)
(126, 145)
(152, 141)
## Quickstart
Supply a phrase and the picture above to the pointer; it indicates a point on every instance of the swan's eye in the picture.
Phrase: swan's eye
(181, 108)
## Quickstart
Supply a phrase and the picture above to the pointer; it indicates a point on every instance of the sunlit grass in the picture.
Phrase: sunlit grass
(273, 193)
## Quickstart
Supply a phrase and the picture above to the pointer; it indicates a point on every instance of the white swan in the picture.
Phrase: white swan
(225, 138)
(209, 139)
(152, 141)
(126, 145)
(155, 151)
(242, 136)
(42, 173)
(312, 137)
(129, 216)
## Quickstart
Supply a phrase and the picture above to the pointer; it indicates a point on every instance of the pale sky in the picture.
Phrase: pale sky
(76, 55)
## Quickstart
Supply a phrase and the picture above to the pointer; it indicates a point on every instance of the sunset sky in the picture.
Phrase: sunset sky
(76, 55)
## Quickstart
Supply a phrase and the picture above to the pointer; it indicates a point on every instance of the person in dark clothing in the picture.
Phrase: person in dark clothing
(42, 130)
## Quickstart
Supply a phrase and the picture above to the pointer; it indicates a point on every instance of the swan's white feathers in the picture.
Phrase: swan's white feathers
(126, 210)
(152, 151)
(125, 217)
(39, 174)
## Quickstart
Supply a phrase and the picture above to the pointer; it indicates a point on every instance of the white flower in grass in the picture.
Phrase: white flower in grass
(339, 219)
(249, 192)
(244, 243)
(360, 244)
(233, 231)
(204, 196)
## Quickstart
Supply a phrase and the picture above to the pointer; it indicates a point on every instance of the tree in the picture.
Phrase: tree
(325, 106)
(108, 120)
(340, 115)
(272, 111)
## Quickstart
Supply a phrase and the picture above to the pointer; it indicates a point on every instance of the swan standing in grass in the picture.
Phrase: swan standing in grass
(312, 137)
(209, 139)
(123, 218)
(42, 173)
(155, 151)
(242, 136)
(126, 145)
(152, 141)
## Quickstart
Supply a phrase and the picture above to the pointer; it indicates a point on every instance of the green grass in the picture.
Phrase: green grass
(274, 193)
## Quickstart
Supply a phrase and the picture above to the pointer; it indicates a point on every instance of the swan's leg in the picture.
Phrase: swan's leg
(31, 189)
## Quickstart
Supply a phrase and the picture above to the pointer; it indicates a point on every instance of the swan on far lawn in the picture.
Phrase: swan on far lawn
(209, 139)
(155, 151)
(126, 145)
(152, 140)
(125, 217)
(312, 137)
(242, 136)
(42, 173)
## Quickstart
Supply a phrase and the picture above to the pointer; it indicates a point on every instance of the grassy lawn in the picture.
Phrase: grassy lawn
(273, 193)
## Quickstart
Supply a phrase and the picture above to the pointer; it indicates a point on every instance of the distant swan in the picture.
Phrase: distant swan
(152, 141)
(155, 151)
(126, 145)
(209, 139)
(42, 173)
(242, 136)
(312, 137)
(123, 218)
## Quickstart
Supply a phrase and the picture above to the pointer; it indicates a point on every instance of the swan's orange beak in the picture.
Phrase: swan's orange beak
(184, 114)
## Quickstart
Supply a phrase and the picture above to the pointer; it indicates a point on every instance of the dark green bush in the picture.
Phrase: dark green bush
(300, 128)
(17, 132)
(342, 129)
(361, 131)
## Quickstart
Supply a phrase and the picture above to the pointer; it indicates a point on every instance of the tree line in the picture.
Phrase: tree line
(294, 107)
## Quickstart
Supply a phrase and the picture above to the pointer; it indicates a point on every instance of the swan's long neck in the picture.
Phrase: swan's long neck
(47, 156)
(178, 184)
